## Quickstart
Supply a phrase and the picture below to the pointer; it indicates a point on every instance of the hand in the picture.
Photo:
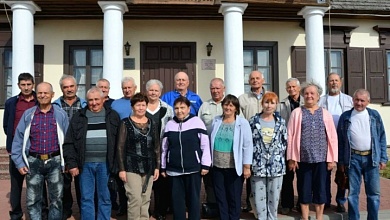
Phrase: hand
(122, 176)
(156, 174)
(247, 172)
(382, 166)
(163, 174)
(331, 165)
(74, 171)
(204, 172)
(293, 165)
(23, 170)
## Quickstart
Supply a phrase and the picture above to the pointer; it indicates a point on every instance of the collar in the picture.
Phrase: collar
(38, 110)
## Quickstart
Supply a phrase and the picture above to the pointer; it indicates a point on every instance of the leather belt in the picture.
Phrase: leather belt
(361, 153)
(44, 156)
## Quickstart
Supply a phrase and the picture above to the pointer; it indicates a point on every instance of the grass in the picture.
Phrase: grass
(386, 172)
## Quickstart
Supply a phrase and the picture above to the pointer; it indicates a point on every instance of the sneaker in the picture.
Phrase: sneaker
(285, 211)
(340, 208)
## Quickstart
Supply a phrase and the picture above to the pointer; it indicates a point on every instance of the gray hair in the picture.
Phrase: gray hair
(95, 89)
(219, 80)
(363, 92)
(293, 79)
(51, 86)
(103, 80)
(66, 76)
(305, 85)
(333, 73)
(152, 82)
(128, 79)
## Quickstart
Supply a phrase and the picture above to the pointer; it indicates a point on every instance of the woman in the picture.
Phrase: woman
(185, 157)
(232, 150)
(312, 149)
(160, 112)
(269, 145)
(138, 158)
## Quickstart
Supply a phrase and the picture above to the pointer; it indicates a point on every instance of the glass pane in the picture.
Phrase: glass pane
(81, 91)
(337, 70)
(247, 71)
(9, 92)
(8, 76)
(96, 58)
(266, 74)
(79, 58)
(7, 58)
(247, 88)
(388, 59)
(263, 58)
(79, 74)
(96, 73)
(335, 59)
(248, 58)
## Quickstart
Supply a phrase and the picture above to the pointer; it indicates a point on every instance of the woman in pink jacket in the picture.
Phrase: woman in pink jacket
(311, 149)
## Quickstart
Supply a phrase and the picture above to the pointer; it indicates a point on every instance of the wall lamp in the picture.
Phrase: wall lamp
(209, 49)
(127, 48)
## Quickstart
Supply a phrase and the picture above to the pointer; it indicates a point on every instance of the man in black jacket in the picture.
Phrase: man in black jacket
(89, 150)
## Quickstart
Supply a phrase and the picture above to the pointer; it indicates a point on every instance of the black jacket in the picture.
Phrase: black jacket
(74, 144)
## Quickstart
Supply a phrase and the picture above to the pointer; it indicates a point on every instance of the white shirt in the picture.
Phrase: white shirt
(334, 107)
(360, 130)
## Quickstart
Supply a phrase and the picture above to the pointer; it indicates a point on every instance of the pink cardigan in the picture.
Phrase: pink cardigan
(294, 136)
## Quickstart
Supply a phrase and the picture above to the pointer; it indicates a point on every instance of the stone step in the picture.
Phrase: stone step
(4, 165)
(4, 174)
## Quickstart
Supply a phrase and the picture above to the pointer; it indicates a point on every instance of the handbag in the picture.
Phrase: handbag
(112, 185)
(210, 210)
(341, 179)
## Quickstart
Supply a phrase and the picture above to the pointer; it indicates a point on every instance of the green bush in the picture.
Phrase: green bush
(386, 172)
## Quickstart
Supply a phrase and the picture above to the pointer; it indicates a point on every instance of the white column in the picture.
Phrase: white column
(22, 39)
(315, 67)
(233, 47)
(113, 44)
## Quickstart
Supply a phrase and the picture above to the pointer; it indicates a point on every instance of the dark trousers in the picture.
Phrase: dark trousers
(67, 198)
(287, 194)
(209, 187)
(122, 195)
(248, 192)
(186, 190)
(17, 179)
(228, 189)
(328, 186)
(162, 195)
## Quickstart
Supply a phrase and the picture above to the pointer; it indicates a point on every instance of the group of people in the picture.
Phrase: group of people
(126, 148)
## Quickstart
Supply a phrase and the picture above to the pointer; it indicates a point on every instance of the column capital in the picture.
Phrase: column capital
(313, 10)
(232, 7)
(27, 5)
(113, 5)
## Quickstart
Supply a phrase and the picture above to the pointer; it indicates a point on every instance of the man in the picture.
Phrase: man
(336, 103)
(207, 112)
(181, 89)
(122, 105)
(89, 150)
(13, 111)
(362, 152)
(250, 104)
(287, 105)
(70, 103)
(37, 152)
(104, 85)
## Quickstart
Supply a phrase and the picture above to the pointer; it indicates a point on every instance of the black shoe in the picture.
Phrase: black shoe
(247, 209)
(299, 209)
(66, 215)
(121, 212)
(159, 217)
(340, 208)
(327, 206)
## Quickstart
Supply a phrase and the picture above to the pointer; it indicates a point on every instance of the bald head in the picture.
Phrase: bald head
(256, 80)
(181, 82)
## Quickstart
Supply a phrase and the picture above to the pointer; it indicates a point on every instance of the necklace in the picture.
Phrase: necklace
(140, 128)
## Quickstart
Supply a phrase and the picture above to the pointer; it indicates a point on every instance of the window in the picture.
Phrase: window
(388, 72)
(6, 69)
(84, 60)
(261, 56)
(334, 61)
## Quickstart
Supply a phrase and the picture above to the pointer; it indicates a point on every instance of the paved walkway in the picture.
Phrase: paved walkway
(328, 214)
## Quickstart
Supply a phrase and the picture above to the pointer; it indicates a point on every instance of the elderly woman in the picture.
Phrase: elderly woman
(232, 150)
(185, 157)
(312, 149)
(138, 158)
(269, 145)
(160, 112)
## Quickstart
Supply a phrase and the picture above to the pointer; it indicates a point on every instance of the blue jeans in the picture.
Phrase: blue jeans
(95, 174)
(362, 165)
(40, 171)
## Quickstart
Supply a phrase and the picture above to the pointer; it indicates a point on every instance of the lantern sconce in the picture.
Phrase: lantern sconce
(127, 48)
(209, 49)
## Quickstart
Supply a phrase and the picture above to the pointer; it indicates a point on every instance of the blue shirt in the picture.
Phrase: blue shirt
(123, 107)
(195, 100)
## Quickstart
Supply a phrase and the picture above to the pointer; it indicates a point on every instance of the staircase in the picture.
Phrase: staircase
(4, 164)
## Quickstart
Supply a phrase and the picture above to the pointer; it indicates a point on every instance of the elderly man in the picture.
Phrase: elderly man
(250, 104)
(122, 105)
(287, 105)
(89, 150)
(336, 103)
(207, 112)
(104, 85)
(70, 103)
(181, 89)
(37, 152)
(362, 152)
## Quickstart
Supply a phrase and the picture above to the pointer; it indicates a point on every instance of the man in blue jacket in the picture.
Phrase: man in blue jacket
(181, 89)
(362, 152)
(37, 152)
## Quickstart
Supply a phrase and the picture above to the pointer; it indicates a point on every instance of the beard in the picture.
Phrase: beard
(334, 90)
